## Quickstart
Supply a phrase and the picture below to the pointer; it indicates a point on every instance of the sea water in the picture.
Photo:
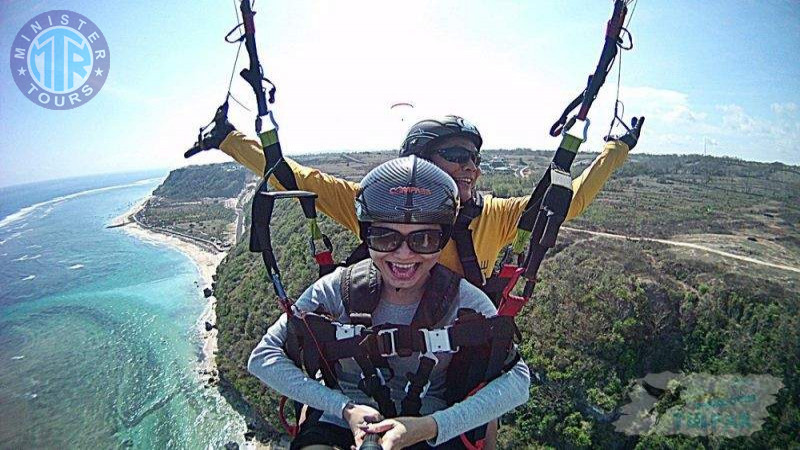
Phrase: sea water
(99, 340)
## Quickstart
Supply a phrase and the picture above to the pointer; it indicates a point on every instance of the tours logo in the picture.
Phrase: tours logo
(698, 404)
(60, 59)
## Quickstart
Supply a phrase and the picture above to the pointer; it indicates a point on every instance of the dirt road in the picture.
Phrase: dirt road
(687, 245)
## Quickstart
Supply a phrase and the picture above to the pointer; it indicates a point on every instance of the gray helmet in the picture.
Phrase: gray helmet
(407, 190)
(423, 135)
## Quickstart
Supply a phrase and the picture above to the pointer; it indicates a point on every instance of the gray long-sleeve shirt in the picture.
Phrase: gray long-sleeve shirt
(271, 365)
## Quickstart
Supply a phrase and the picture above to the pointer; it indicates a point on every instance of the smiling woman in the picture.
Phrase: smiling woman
(406, 229)
(399, 313)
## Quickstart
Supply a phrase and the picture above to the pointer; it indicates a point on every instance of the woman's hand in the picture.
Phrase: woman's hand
(358, 416)
(402, 432)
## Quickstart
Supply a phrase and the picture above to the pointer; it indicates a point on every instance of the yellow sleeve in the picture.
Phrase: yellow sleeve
(506, 212)
(586, 186)
(336, 196)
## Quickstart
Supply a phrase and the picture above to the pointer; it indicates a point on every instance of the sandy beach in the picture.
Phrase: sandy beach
(206, 263)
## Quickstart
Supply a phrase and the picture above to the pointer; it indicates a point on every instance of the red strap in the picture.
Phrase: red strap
(324, 258)
(478, 445)
(511, 305)
(291, 430)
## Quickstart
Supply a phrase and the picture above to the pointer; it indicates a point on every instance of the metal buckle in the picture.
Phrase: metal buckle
(437, 341)
(390, 332)
(566, 129)
(347, 330)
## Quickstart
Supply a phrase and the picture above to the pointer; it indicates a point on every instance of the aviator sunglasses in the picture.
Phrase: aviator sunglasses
(459, 155)
(387, 240)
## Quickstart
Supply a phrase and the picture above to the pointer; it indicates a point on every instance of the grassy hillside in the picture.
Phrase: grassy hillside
(606, 311)
(197, 182)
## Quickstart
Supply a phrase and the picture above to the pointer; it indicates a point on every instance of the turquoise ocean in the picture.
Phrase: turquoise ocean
(99, 340)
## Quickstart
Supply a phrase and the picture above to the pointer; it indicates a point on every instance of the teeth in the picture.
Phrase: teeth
(404, 266)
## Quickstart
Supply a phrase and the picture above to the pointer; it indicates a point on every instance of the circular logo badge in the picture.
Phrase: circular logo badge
(60, 59)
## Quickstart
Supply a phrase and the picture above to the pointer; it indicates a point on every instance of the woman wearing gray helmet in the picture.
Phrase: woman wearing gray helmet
(453, 144)
(407, 315)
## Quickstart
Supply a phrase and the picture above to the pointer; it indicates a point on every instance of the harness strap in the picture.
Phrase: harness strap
(340, 341)
(372, 384)
(360, 288)
(552, 213)
(418, 384)
(465, 246)
(360, 253)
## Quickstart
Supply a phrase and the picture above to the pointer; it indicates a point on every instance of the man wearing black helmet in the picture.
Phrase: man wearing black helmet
(453, 144)
(425, 336)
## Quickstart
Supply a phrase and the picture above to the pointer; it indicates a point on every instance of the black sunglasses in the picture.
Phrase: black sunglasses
(459, 155)
(388, 240)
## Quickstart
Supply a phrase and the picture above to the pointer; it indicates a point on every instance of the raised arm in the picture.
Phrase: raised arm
(507, 211)
(336, 196)
(588, 184)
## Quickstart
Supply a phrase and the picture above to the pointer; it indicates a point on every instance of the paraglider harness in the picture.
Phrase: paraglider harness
(482, 347)
(540, 222)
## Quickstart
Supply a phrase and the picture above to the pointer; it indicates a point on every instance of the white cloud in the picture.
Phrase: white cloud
(736, 119)
(667, 105)
(784, 108)
(676, 125)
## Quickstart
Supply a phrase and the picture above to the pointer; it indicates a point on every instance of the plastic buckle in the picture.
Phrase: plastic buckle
(560, 178)
(424, 388)
(373, 381)
(437, 341)
(347, 331)
(391, 332)
(428, 355)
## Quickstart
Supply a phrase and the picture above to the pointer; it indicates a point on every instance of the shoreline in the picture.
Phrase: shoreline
(206, 263)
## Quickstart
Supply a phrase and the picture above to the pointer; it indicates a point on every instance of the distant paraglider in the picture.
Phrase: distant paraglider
(403, 109)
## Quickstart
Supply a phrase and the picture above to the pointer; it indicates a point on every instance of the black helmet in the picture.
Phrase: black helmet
(423, 135)
(407, 190)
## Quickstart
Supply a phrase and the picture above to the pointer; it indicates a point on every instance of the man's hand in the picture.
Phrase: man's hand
(357, 416)
(632, 136)
(208, 139)
(402, 432)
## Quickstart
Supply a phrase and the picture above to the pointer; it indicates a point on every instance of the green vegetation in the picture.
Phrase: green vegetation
(197, 182)
(606, 311)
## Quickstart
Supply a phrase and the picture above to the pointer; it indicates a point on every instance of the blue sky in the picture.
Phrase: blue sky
(722, 73)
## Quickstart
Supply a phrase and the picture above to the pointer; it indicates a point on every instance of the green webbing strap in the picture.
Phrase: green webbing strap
(276, 165)
(269, 138)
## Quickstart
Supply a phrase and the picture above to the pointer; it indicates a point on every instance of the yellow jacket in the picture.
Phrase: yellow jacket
(493, 230)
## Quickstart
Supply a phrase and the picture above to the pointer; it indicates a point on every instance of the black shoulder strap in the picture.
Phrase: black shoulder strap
(360, 287)
(359, 253)
(440, 293)
(462, 236)
(361, 291)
